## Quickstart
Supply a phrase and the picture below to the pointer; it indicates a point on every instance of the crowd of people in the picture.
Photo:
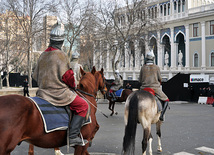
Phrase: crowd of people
(206, 91)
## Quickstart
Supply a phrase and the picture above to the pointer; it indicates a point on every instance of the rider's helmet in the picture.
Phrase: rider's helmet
(75, 55)
(117, 72)
(150, 57)
(57, 33)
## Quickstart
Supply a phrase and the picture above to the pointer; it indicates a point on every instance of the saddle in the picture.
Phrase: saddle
(159, 103)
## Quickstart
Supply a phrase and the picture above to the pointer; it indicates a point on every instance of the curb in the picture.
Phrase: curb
(96, 153)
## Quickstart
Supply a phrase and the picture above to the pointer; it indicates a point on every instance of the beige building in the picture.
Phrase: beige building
(48, 22)
(184, 44)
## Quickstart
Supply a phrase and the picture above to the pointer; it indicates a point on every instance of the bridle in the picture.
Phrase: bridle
(103, 88)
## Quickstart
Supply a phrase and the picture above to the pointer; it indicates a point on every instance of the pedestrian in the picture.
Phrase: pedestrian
(150, 77)
(209, 92)
(204, 92)
(55, 78)
(128, 86)
(25, 89)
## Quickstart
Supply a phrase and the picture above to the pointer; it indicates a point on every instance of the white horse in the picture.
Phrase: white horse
(141, 107)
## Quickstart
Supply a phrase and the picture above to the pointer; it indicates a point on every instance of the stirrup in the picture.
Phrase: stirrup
(82, 143)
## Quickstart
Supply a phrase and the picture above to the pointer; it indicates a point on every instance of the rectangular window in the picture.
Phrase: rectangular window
(195, 30)
(212, 27)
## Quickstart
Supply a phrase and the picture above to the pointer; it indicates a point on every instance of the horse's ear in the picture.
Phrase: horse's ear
(93, 70)
(102, 70)
(82, 71)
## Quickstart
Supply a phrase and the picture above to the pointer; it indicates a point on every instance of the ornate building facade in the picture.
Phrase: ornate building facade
(185, 43)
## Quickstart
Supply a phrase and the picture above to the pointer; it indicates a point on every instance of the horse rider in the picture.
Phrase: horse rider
(150, 77)
(55, 77)
(116, 85)
(76, 66)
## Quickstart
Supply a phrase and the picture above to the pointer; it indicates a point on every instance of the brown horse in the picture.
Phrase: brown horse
(20, 121)
(123, 98)
(140, 107)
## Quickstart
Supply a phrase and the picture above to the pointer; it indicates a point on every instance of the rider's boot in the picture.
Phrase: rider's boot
(163, 111)
(74, 130)
(113, 97)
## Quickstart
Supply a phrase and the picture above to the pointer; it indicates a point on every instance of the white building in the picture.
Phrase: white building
(189, 30)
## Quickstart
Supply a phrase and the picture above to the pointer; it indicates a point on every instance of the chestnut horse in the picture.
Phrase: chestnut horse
(122, 98)
(20, 121)
(140, 107)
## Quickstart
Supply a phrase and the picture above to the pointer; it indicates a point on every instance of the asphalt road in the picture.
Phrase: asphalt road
(188, 130)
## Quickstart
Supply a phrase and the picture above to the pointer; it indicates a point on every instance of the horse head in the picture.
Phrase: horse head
(100, 79)
(87, 82)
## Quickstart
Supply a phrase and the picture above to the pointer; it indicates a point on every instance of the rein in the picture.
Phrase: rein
(80, 93)
(83, 92)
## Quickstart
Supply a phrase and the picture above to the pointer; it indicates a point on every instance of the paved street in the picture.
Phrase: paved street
(188, 130)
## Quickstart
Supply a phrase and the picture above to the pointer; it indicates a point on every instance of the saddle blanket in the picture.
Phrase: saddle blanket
(119, 92)
(158, 104)
(54, 117)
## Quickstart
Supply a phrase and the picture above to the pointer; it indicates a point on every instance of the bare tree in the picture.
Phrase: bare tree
(117, 31)
(87, 38)
(29, 15)
(12, 54)
(76, 16)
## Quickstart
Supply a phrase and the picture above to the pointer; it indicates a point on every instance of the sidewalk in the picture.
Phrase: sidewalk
(17, 90)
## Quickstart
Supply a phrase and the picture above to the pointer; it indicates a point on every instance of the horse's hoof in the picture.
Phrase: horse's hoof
(58, 152)
(160, 150)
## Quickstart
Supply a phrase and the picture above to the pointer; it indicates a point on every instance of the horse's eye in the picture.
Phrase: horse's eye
(81, 86)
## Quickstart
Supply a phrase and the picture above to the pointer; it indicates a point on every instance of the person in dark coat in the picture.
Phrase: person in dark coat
(26, 90)
(128, 86)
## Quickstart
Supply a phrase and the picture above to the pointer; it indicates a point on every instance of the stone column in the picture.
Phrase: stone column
(94, 53)
(160, 52)
(173, 51)
(107, 58)
(100, 52)
(137, 55)
(203, 62)
(187, 47)
(146, 44)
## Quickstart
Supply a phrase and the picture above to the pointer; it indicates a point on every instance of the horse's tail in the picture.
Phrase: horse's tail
(130, 129)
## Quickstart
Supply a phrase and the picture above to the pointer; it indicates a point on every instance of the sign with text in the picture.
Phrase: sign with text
(199, 78)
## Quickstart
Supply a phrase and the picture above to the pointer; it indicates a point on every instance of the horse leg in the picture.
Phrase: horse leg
(150, 144)
(158, 130)
(110, 107)
(146, 135)
(31, 149)
(113, 109)
(57, 151)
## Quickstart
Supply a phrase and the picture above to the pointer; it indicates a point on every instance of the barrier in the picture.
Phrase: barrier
(205, 100)
(210, 100)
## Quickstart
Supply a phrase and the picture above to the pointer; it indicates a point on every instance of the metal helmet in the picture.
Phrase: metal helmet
(57, 33)
(75, 55)
(150, 56)
(117, 72)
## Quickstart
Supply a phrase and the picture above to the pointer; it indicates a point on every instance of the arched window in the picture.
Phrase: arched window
(196, 60)
(183, 5)
(168, 8)
(212, 59)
